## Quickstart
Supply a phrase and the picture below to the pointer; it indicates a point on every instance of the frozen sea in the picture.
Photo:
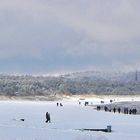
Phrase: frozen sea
(65, 122)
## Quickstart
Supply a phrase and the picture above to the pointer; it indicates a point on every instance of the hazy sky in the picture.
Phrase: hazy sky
(51, 36)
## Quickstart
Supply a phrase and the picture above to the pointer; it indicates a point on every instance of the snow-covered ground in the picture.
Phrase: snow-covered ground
(65, 122)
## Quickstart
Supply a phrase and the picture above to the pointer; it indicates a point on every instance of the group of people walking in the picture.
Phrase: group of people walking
(118, 109)
(130, 111)
(59, 104)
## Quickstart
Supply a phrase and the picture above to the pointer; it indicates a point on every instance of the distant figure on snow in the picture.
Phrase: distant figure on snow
(57, 104)
(98, 107)
(48, 119)
(114, 109)
(119, 110)
(106, 108)
(61, 104)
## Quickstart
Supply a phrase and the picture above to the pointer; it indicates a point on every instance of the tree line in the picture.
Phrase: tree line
(43, 86)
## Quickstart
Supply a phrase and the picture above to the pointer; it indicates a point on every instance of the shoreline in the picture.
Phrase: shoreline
(115, 98)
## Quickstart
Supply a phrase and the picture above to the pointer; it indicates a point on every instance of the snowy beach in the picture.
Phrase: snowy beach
(65, 122)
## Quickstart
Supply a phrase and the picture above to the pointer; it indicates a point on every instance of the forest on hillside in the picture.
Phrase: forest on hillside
(72, 84)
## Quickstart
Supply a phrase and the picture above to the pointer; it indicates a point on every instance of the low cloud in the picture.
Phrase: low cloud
(72, 35)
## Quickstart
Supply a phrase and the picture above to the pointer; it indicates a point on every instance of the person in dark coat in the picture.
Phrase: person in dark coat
(98, 107)
(48, 119)
(114, 109)
(106, 108)
(130, 111)
(119, 110)
(61, 104)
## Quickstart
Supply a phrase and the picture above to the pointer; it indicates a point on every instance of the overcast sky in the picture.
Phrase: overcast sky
(52, 36)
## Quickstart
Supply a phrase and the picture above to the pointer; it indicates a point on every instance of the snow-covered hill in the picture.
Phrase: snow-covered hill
(90, 82)
(111, 76)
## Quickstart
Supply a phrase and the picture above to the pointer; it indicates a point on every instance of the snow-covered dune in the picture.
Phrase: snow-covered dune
(65, 122)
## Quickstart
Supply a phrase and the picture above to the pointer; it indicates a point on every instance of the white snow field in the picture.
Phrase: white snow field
(65, 122)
